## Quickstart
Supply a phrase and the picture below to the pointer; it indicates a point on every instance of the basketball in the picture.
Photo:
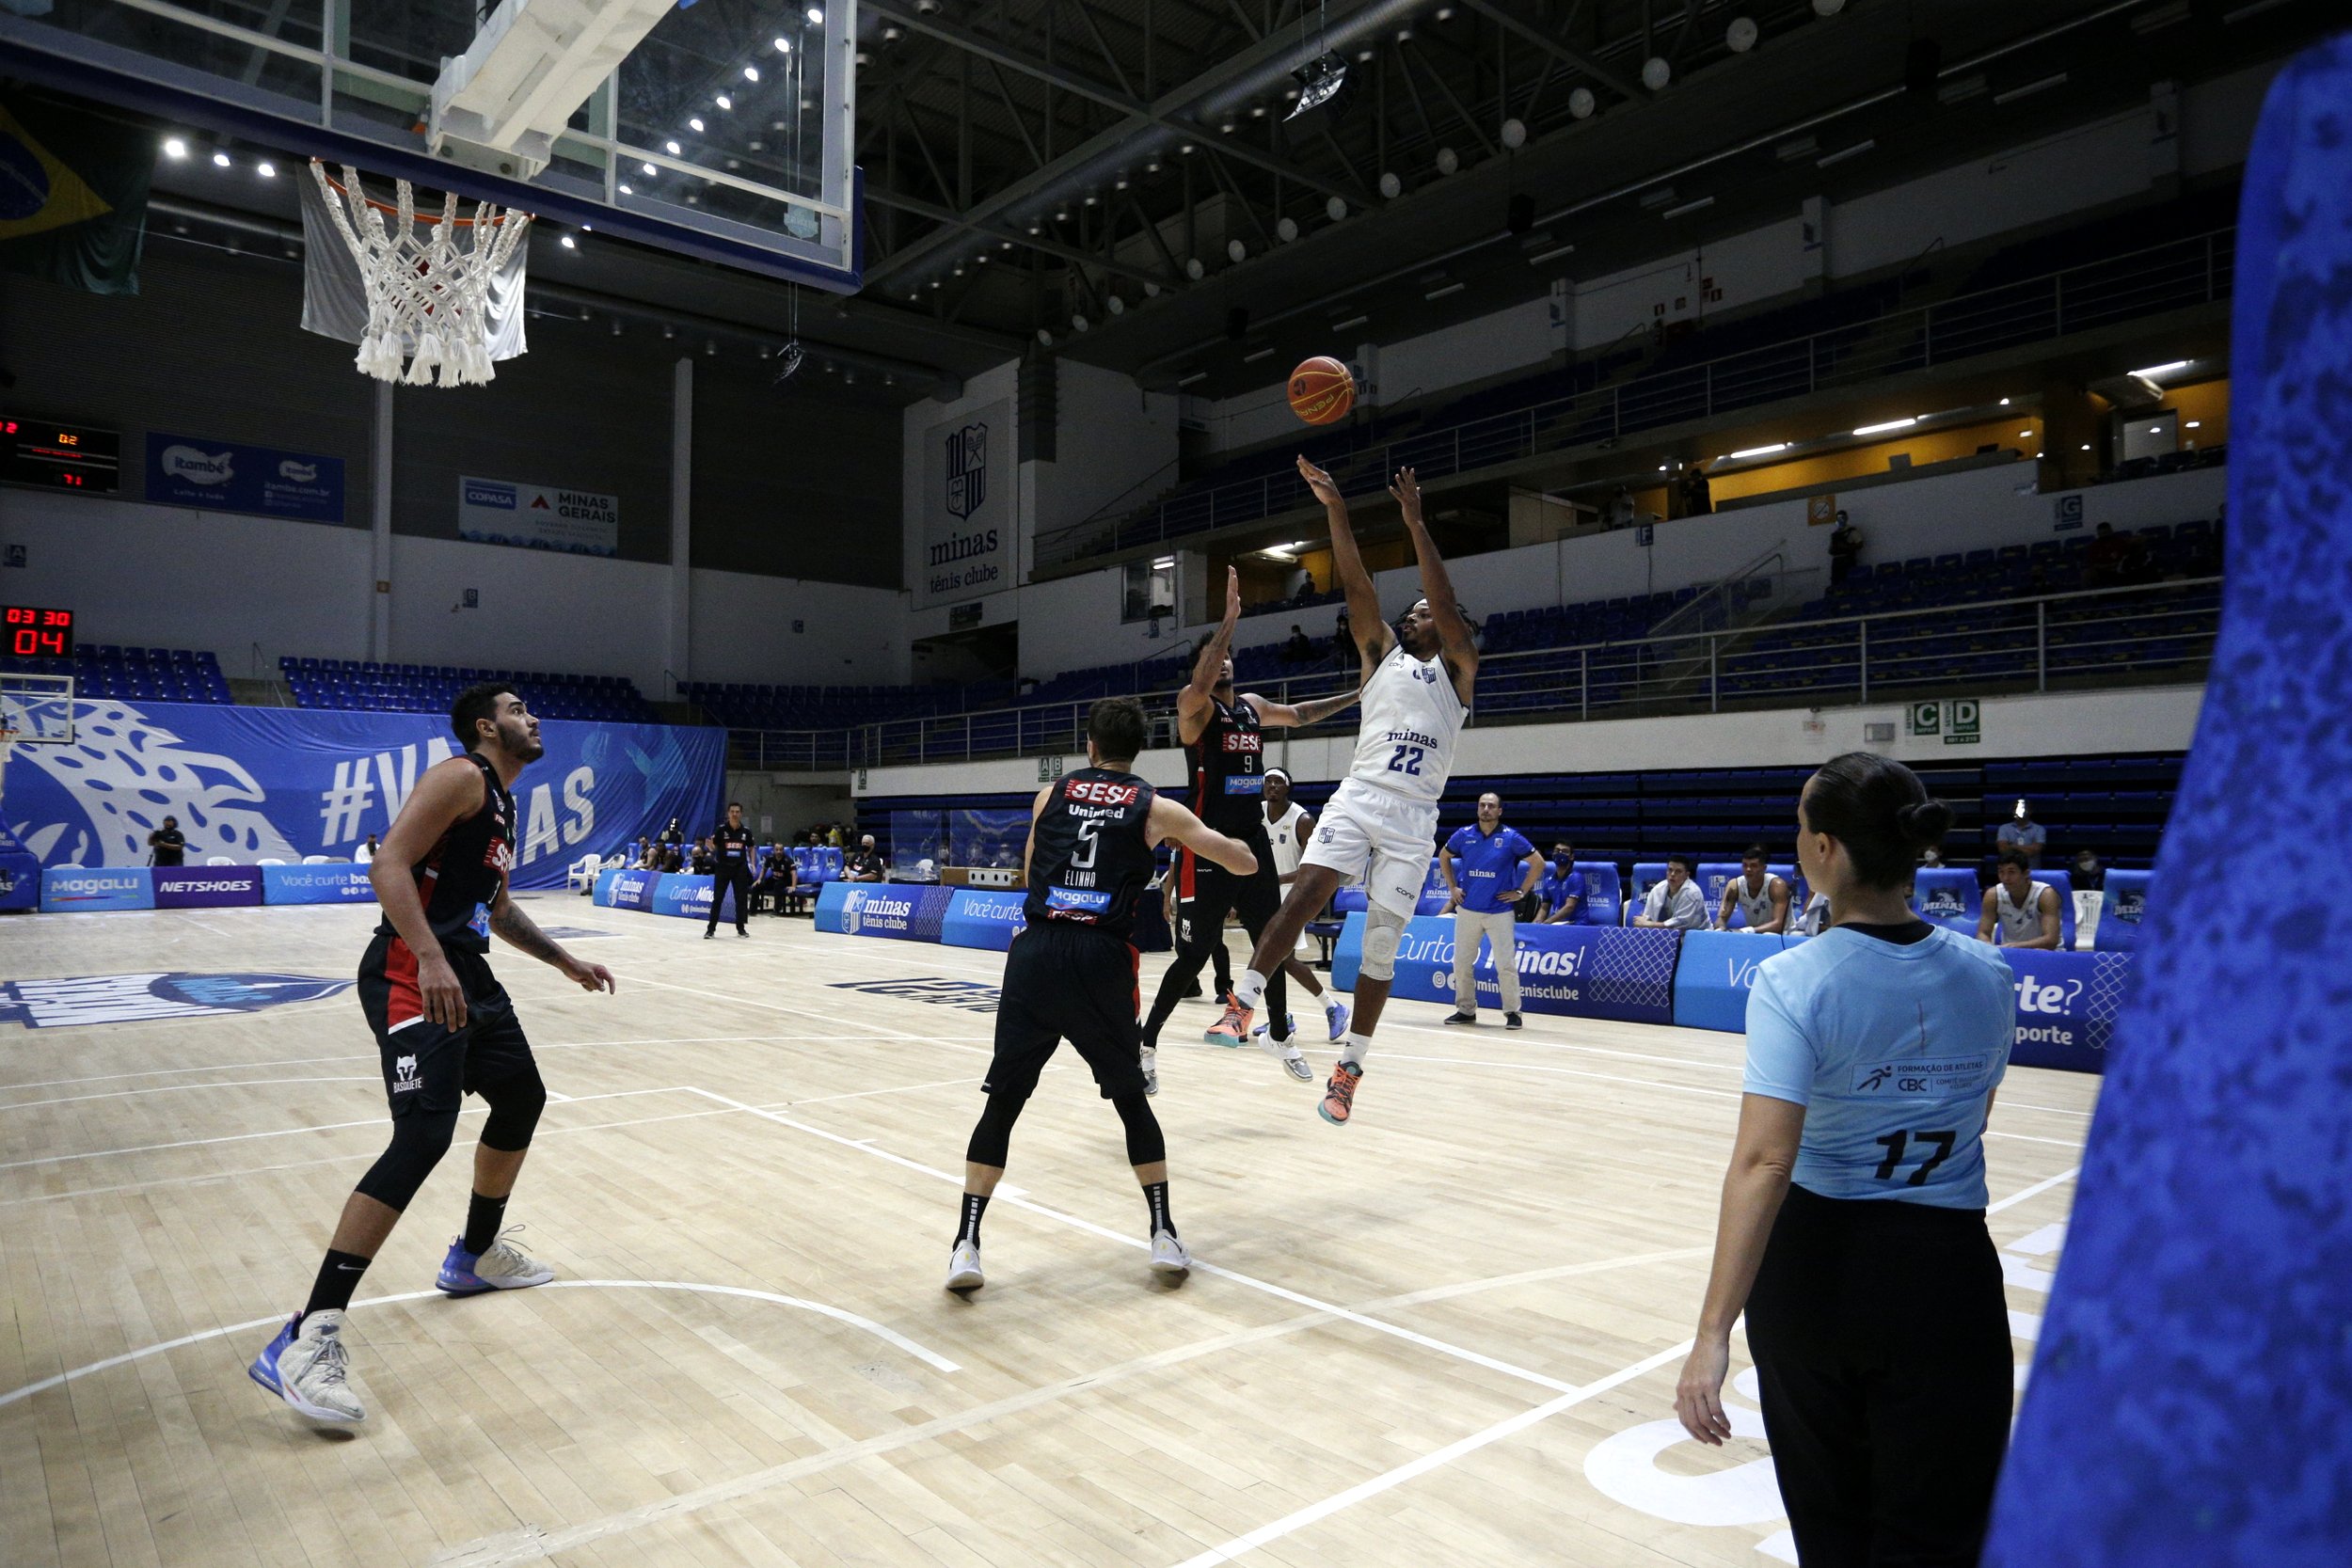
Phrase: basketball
(1321, 391)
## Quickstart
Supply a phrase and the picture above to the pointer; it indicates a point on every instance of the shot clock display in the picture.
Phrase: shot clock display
(59, 456)
(35, 633)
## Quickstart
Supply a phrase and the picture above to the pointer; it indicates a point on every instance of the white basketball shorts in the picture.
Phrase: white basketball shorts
(1384, 841)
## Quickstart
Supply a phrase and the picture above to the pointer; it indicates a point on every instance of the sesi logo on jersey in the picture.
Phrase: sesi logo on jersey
(1244, 740)
(1101, 792)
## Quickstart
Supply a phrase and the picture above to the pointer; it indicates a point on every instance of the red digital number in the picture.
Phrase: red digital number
(75, 480)
(25, 641)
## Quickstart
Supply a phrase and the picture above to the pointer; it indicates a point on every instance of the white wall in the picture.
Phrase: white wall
(2153, 719)
(1110, 435)
(745, 629)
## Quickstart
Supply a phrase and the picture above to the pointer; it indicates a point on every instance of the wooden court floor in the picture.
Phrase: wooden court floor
(1446, 1334)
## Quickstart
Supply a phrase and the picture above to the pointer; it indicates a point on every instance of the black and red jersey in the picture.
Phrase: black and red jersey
(1091, 858)
(1229, 771)
(463, 874)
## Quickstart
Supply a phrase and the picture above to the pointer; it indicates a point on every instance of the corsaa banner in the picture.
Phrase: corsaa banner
(971, 525)
(1580, 970)
(254, 784)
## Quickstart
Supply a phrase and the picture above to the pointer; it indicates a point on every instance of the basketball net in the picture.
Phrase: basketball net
(428, 279)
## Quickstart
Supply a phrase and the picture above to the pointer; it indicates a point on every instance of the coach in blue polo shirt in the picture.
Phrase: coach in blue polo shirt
(1498, 868)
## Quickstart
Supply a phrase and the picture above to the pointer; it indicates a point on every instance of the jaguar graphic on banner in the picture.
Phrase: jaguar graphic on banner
(971, 535)
(142, 998)
(262, 783)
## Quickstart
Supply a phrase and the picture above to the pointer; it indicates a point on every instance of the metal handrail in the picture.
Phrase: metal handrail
(2196, 269)
(1581, 681)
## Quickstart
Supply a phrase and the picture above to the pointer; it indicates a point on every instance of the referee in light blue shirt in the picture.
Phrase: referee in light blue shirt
(1852, 1227)
(1497, 868)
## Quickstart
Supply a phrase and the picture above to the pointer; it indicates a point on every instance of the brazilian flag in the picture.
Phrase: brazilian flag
(72, 195)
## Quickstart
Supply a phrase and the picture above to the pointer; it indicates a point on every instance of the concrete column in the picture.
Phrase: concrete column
(678, 645)
(381, 525)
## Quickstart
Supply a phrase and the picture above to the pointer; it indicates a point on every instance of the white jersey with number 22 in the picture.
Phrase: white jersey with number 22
(1411, 718)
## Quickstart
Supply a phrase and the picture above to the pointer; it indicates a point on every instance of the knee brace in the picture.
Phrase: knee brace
(418, 1141)
(1146, 1145)
(1383, 929)
(991, 1138)
(514, 1106)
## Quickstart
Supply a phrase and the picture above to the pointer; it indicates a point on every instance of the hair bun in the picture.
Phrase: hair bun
(1925, 822)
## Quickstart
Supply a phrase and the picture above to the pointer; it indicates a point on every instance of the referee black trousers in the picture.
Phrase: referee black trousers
(1882, 1346)
(740, 878)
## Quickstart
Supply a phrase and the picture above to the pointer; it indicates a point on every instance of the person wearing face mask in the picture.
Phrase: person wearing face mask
(1563, 891)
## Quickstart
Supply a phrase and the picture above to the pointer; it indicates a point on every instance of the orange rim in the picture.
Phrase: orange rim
(392, 209)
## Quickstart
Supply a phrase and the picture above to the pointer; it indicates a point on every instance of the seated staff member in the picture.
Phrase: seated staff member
(1676, 900)
(779, 880)
(1761, 898)
(1853, 1224)
(2022, 913)
(1564, 888)
(1499, 867)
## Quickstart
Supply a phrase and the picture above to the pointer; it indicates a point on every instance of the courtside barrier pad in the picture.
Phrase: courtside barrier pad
(316, 884)
(1575, 971)
(1714, 973)
(905, 912)
(81, 888)
(988, 918)
(211, 887)
(2191, 1399)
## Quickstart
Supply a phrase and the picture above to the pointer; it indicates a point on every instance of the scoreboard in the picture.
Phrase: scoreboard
(60, 456)
(37, 633)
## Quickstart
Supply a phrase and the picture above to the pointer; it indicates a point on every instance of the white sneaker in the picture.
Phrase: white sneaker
(1168, 1255)
(314, 1371)
(1288, 1053)
(510, 1268)
(963, 1267)
(1151, 1063)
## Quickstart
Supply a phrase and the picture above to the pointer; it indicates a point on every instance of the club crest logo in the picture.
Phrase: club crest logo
(852, 903)
(967, 469)
(138, 998)
(404, 1075)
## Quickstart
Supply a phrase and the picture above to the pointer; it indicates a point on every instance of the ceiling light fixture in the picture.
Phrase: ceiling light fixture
(1760, 451)
(784, 46)
(695, 121)
(1185, 381)
(625, 190)
(670, 148)
(1352, 321)
(1890, 425)
(1261, 354)
(1856, 150)
(725, 101)
(175, 147)
(751, 73)
(1449, 289)
(2195, 424)
(265, 169)
(220, 159)
(648, 169)
(1693, 206)
(2154, 370)
(1551, 254)
(815, 17)
(568, 244)
(2055, 79)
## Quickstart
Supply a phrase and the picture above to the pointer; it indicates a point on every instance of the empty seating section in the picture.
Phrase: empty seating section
(837, 707)
(2114, 806)
(152, 674)
(367, 684)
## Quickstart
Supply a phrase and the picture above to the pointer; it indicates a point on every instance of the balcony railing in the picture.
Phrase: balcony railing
(2178, 273)
(2150, 635)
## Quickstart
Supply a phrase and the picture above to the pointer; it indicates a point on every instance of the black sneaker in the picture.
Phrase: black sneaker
(1512, 1021)
(708, 935)
(741, 932)
(1462, 1018)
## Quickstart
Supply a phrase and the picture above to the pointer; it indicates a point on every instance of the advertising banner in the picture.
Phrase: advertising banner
(1714, 975)
(330, 884)
(970, 528)
(71, 889)
(205, 887)
(883, 910)
(2066, 1007)
(1578, 971)
(688, 896)
(983, 919)
(625, 890)
(230, 476)
(19, 873)
(259, 783)
(538, 516)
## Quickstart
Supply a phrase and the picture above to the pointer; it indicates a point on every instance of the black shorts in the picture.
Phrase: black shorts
(1065, 982)
(1206, 893)
(427, 1068)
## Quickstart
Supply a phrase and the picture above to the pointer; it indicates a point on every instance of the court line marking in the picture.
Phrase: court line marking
(821, 1308)
(531, 1541)
(2035, 1191)
(817, 1012)
(1284, 1293)
(173, 1088)
(1291, 1523)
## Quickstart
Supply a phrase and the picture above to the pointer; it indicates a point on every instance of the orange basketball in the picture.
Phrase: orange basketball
(1321, 391)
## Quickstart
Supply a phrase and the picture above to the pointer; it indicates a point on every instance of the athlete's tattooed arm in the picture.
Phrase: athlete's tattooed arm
(521, 932)
(1282, 715)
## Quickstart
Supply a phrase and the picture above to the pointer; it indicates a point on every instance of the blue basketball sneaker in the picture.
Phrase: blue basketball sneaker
(503, 1266)
(310, 1369)
(1337, 1013)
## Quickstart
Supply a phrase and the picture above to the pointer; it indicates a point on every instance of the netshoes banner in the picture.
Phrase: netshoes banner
(1578, 971)
(255, 783)
(205, 887)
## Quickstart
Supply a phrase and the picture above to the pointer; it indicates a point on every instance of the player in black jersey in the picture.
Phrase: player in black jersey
(1223, 732)
(446, 1029)
(1071, 972)
(731, 842)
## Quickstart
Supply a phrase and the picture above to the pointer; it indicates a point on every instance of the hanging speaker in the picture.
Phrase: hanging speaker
(1921, 62)
(1520, 215)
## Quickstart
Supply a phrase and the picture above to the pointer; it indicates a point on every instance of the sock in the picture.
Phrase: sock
(1356, 1048)
(1155, 1199)
(1330, 1003)
(483, 1217)
(975, 1205)
(339, 1275)
(1250, 991)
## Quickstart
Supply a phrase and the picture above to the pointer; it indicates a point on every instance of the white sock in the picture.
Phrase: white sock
(1356, 1048)
(1249, 989)
(1330, 1003)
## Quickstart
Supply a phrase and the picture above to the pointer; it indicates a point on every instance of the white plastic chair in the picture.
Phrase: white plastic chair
(218, 859)
(265, 860)
(582, 874)
(318, 859)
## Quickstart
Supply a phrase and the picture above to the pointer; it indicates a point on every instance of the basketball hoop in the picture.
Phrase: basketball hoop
(428, 279)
